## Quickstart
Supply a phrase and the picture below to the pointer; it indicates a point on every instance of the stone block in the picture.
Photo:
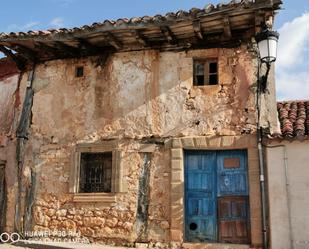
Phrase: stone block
(177, 164)
(200, 142)
(177, 153)
(176, 235)
(176, 223)
(177, 199)
(241, 142)
(253, 154)
(176, 188)
(177, 212)
(176, 143)
(227, 141)
(253, 165)
(177, 176)
(214, 142)
(187, 142)
(141, 245)
(252, 142)
(147, 148)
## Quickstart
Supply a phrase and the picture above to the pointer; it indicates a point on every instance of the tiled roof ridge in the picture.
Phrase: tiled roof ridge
(135, 21)
(294, 118)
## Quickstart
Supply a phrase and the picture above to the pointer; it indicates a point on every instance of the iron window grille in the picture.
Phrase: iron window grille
(95, 172)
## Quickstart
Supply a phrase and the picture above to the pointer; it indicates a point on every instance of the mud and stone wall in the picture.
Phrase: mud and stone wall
(136, 97)
(10, 106)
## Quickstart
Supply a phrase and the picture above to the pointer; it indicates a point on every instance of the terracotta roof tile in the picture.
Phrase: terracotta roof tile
(294, 118)
(150, 20)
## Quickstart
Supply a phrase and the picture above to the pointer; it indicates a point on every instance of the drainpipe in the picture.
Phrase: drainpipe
(261, 162)
(287, 187)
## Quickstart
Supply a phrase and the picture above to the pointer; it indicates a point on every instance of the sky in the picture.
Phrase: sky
(292, 22)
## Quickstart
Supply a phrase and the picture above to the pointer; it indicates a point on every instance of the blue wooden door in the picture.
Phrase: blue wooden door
(200, 195)
(215, 178)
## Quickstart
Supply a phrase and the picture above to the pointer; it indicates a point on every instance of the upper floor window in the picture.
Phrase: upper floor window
(79, 71)
(205, 72)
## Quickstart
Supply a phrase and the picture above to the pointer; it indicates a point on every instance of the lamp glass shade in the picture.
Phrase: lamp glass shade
(267, 44)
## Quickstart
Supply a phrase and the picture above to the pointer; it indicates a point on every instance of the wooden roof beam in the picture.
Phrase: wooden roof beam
(49, 49)
(227, 32)
(139, 37)
(25, 52)
(72, 51)
(198, 29)
(89, 47)
(112, 40)
(168, 34)
(259, 21)
(20, 63)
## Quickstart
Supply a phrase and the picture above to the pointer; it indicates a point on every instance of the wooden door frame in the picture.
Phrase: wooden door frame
(177, 145)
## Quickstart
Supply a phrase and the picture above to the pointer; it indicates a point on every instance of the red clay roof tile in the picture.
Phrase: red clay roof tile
(294, 118)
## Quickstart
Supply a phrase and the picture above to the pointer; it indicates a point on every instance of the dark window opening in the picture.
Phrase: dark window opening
(79, 72)
(95, 172)
(205, 72)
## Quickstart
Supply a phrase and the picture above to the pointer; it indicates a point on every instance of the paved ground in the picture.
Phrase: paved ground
(55, 245)
(8, 246)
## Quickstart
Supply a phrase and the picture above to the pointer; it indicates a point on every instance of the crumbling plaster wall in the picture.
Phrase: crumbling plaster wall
(136, 96)
(10, 106)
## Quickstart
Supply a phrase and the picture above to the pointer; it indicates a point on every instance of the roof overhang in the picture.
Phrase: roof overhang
(224, 25)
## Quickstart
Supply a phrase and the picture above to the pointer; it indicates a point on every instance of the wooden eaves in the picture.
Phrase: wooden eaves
(224, 25)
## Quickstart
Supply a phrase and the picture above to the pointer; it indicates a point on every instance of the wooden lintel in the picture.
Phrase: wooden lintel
(73, 51)
(20, 63)
(25, 52)
(198, 29)
(227, 27)
(86, 45)
(168, 34)
(259, 21)
(113, 41)
(139, 37)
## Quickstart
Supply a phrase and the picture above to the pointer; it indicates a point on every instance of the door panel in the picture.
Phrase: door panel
(232, 173)
(200, 196)
(233, 219)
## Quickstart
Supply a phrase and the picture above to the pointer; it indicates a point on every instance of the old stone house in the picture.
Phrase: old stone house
(288, 171)
(138, 130)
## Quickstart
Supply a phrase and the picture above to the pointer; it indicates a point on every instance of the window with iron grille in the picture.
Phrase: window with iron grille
(205, 72)
(95, 172)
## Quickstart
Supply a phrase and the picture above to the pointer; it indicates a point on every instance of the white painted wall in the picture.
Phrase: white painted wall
(289, 229)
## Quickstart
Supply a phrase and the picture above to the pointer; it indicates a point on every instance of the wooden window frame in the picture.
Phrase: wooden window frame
(207, 74)
(117, 183)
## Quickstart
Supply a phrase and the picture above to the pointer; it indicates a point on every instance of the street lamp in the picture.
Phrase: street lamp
(267, 41)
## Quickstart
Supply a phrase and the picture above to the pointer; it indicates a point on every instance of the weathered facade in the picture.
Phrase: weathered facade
(139, 108)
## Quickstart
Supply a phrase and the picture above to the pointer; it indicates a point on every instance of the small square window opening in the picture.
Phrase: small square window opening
(79, 72)
(95, 172)
(205, 72)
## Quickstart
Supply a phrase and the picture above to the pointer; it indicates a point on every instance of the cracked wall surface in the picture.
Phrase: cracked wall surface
(136, 98)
